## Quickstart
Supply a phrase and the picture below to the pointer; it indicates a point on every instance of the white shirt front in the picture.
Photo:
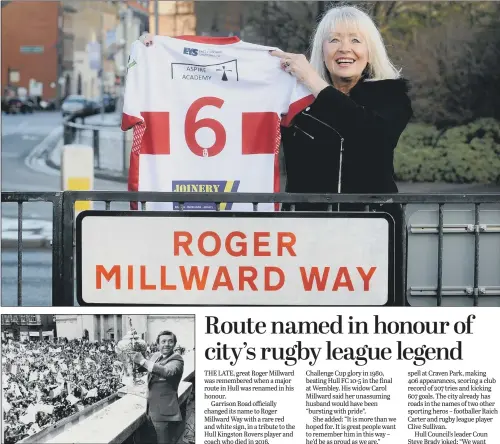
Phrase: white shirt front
(206, 113)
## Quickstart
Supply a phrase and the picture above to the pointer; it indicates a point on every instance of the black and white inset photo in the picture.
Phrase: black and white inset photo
(98, 378)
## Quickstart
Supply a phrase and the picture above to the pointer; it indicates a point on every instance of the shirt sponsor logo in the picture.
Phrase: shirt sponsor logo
(191, 51)
(226, 71)
(204, 186)
(202, 52)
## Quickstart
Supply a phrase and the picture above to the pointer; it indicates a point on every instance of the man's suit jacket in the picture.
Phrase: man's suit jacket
(163, 382)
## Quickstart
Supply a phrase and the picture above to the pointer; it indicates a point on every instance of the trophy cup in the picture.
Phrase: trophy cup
(125, 349)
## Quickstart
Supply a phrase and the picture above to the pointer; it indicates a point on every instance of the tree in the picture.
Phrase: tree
(287, 25)
(453, 68)
(484, 79)
(448, 50)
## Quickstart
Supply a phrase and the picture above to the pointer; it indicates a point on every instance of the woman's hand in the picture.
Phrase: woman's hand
(295, 64)
(146, 38)
(298, 66)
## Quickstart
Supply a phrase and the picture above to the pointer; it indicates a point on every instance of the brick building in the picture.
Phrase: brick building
(36, 46)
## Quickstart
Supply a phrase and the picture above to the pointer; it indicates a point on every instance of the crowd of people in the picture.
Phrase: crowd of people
(44, 382)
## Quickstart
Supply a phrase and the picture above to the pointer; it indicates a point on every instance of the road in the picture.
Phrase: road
(21, 136)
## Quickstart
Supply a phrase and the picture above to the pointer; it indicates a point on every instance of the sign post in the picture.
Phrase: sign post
(77, 171)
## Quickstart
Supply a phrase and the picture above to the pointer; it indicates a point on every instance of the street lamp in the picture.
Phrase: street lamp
(157, 18)
(101, 38)
(124, 18)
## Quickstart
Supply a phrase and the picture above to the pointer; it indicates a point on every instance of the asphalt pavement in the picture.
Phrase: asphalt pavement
(26, 139)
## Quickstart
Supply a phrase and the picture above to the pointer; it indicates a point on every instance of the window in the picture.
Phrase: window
(14, 76)
(68, 23)
(80, 44)
(185, 7)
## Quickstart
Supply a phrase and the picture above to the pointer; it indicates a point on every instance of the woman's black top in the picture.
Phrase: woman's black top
(346, 143)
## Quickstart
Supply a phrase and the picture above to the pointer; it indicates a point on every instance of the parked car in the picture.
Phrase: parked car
(95, 105)
(17, 105)
(76, 104)
(33, 103)
(109, 103)
(47, 105)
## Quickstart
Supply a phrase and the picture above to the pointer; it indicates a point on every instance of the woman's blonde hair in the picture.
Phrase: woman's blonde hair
(379, 67)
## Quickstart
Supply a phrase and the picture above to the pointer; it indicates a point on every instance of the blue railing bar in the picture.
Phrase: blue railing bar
(153, 196)
(476, 255)
(57, 251)
(66, 298)
(30, 196)
(404, 254)
(156, 196)
(20, 254)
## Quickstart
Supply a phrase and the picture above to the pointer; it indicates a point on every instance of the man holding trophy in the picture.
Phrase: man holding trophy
(165, 370)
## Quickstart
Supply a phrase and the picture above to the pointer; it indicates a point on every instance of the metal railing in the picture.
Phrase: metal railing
(56, 199)
(111, 146)
(63, 235)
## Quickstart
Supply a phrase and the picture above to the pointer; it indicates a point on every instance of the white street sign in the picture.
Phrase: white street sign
(234, 259)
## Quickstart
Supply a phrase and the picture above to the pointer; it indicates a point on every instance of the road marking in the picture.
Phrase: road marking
(10, 155)
(34, 159)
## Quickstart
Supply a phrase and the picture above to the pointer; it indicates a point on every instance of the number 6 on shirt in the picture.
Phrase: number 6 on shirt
(191, 125)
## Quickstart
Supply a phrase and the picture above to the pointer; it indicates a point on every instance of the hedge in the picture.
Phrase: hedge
(463, 154)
